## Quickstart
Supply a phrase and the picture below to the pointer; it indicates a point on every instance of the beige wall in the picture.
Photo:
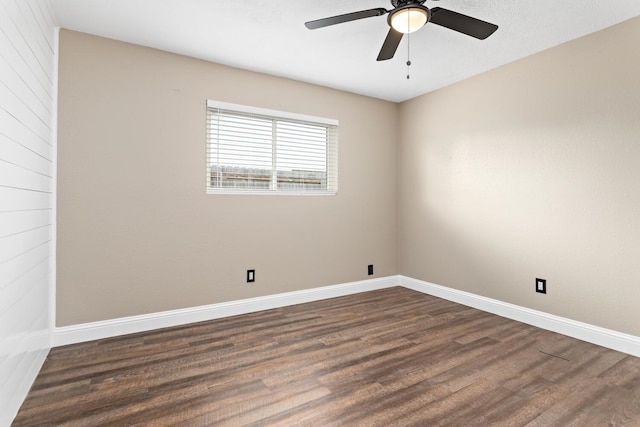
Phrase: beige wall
(531, 170)
(136, 231)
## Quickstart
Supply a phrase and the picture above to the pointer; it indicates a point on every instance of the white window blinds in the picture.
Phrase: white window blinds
(263, 151)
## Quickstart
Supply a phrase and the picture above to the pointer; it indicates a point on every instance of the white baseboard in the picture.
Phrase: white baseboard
(625, 343)
(129, 325)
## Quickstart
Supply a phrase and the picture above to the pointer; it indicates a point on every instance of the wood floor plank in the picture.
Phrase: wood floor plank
(381, 358)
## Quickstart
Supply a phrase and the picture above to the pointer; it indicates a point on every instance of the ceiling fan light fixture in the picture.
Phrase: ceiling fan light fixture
(409, 19)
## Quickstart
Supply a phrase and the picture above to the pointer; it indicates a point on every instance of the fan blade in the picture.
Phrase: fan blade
(462, 23)
(339, 19)
(390, 45)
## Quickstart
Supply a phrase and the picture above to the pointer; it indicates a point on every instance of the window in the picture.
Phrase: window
(252, 150)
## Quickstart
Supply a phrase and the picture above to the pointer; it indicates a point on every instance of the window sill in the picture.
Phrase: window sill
(237, 192)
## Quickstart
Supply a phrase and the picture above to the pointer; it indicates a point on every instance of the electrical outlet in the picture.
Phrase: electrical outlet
(541, 286)
(370, 270)
(251, 276)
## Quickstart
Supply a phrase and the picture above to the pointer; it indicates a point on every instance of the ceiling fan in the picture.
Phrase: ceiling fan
(408, 16)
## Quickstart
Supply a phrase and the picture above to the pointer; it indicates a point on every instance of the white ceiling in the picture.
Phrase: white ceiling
(269, 36)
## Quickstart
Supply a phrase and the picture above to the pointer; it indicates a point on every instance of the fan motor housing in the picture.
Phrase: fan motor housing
(400, 3)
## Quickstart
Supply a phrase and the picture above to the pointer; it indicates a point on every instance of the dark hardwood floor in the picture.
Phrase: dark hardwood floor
(392, 357)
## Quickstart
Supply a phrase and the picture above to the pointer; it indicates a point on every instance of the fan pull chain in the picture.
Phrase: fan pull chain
(408, 46)
(408, 56)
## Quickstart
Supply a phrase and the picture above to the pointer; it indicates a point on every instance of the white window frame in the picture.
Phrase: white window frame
(332, 149)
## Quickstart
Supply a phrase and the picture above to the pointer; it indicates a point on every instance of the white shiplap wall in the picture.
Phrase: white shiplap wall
(28, 46)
